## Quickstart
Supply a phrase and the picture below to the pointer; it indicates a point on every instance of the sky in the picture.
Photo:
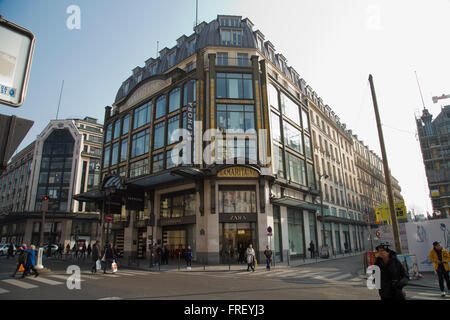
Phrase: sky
(333, 44)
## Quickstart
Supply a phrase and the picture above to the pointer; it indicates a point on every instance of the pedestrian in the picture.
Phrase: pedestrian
(441, 258)
(10, 251)
(188, 257)
(75, 250)
(312, 249)
(250, 254)
(241, 254)
(21, 259)
(30, 263)
(268, 255)
(83, 250)
(68, 248)
(159, 254)
(116, 254)
(60, 250)
(165, 255)
(393, 275)
(108, 256)
(89, 250)
(95, 255)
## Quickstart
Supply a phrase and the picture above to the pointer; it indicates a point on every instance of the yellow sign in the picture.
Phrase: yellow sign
(383, 213)
(238, 172)
(145, 91)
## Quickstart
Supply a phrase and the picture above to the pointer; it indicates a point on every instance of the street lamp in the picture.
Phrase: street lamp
(321, 206)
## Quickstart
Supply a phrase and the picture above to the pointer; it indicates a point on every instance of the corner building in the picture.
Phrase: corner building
(264, 177)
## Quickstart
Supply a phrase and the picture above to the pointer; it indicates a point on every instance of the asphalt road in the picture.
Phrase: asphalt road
(330, 280)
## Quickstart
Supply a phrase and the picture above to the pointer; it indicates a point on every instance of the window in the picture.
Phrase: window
(115, 154)
(139, 168)
(235, 118)
(222, 59)
(142, 115)
(237, 201)
(191, 47)
(173, 124)
(278, 162)
(305, 122)
(293, 137)
(139, 143)
(295, 231)
(108, 133)
(189, 92)
(126, 124)
(158, 141)
(290, 109)
(276, 131)
(106, 156)
(158, 162)
(172, 59)
(116, 129)
(231, 37)
(310, 175)
(169, 162)
(308, 152)
(160, 107)
(174, 100)
(124, 150)
(178, 205)
(296, 169)
(243, 60)
(234, 86)
(273, 96)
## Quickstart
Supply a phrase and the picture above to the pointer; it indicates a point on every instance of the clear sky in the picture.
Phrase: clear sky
(333, 44)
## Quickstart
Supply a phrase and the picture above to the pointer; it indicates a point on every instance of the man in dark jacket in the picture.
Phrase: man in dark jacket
(268, 255)
(109, 257)
(21, 259)
(95, 255)
(393, 275)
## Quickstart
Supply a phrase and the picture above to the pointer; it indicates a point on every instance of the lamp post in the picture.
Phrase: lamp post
(321, 206)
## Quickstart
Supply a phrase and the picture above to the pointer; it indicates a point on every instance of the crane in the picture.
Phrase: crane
(435, 99)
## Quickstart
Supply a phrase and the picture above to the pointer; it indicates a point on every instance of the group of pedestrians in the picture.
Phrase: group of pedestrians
(104, 258)
(27, 259)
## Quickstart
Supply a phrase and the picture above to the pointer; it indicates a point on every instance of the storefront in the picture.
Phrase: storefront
(347, 242)
(296, 233)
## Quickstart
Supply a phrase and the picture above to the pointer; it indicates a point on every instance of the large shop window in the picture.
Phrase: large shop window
(305, 122)
(139, 143)
(139, 168)
(158, 141)
(234, 86)
(273, 96)
(174, 100)
(296, 169)
(237, 200)
(308, 152)
(142, 115)
(235, 118)
(290, 109)
(293, 137)
(313, 229)
(276, 130)
(278, 162)
(173, 124)
(158, 162)
(311, 176)
(295, 230)
(189, 92)
(178, 205)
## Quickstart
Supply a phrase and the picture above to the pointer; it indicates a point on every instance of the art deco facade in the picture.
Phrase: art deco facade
(62, 161)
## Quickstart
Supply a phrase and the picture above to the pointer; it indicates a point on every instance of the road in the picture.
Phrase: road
(330, 280)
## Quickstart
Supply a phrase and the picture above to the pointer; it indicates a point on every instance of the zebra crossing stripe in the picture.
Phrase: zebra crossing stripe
(3, 291)
(344, 276)
(20, 284)
(424, 298)
(61, 277)
(306, 275)
(47, 281)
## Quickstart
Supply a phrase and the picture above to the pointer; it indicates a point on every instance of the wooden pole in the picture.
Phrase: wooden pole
(387, 175)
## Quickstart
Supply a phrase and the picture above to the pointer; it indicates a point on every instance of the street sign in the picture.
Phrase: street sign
(16, 53)
(109, 217)
(12, 131)
(378, 234)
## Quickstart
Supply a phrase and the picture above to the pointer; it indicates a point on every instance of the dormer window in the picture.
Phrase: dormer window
(171, 59)
(191, 47)
(139, 77)
(126, 87)
(231, 37)
(154, 68)
(230, 22)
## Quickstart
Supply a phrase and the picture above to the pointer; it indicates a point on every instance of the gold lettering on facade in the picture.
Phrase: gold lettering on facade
(237, 172)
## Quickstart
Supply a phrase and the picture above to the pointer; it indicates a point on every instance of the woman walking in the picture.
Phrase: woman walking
(30, 263)
(250, 253)
(95, 255)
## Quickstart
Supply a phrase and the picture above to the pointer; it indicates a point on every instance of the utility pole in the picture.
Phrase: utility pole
(387, 174)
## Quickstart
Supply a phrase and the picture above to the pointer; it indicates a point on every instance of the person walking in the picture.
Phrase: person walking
(250, 254)
(95, 255)
(165, 255)
(116, 254)
(188, 257)
(89, 251)
(159, 254)
(83, 250)
(393, 275)
(30, 263)
(21, 260)
(268, 255)
(312, 249)
(441, 258)
(10, 251)
(109, 257)
(241, 254)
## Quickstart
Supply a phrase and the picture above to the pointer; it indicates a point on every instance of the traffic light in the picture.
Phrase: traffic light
(44, 206)
(45, 198)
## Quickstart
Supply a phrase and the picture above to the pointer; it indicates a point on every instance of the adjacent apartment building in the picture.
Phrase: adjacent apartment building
(62, 161)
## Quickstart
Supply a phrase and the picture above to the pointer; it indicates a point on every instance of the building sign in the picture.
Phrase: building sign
(238, 172)
(190, 119)
(135, 200)
(177, 221)
(383, 212)
(145, 91)
(244, 217)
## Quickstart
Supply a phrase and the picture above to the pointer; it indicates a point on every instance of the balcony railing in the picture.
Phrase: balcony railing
(233, 62)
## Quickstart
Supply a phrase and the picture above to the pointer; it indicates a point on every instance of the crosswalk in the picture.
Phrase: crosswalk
(423, 293)
(12, 284)
(286, 274)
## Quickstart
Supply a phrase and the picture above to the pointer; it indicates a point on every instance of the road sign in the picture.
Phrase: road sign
(109, 218)
(16, 53)
(378, 234)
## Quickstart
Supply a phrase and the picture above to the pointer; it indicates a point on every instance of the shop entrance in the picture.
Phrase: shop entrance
(177, 239)
(234, 241)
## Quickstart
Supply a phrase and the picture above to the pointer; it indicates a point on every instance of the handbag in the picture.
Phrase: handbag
(114, 266)
(104, 257)
(21, 268)
(98, 265)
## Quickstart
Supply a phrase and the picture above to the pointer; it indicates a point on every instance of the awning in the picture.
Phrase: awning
(292, 202)
(176, 174)
(335, 219)
(90, 196)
